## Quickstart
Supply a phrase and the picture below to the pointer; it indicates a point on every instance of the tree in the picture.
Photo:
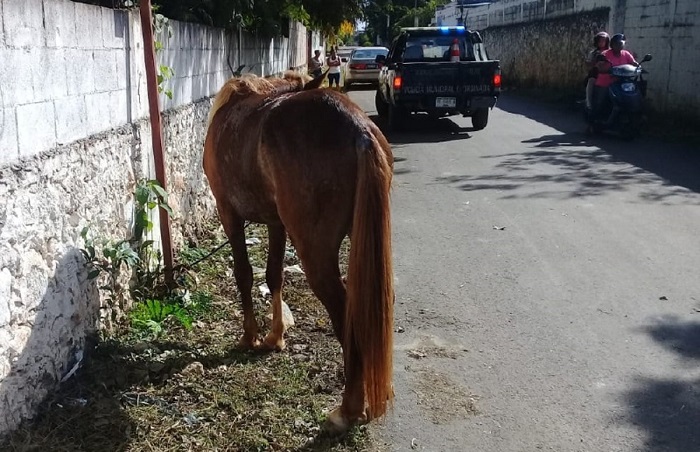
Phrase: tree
(401, 13)
(267, 17)
(346, 32)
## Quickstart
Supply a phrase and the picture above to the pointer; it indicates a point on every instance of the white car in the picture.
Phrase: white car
(362, 66)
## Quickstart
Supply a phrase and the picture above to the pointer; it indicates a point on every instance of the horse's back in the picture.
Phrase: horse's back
(231, 160)
(309, 148)
(318, 127)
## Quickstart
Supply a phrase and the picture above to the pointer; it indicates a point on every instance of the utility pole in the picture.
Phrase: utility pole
(415, 13)
(149, 55)
(388, 30)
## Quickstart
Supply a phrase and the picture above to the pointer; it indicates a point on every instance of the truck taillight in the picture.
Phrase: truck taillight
(497, 79)
(397, 82)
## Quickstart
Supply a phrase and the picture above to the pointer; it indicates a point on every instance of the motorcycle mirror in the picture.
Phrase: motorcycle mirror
(646, 58)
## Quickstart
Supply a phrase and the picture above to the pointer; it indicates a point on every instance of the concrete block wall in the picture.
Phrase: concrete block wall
(61, 60)
(74, 139)
(197, 54)
(668, 29)
(271, 56)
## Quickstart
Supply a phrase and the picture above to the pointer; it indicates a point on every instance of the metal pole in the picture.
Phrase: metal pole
(388, 30)
(149, 54)
(415, 13)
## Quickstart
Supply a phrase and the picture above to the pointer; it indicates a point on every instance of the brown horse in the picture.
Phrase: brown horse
(308, 162)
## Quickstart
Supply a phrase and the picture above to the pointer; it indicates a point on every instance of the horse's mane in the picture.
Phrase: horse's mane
(248, 84)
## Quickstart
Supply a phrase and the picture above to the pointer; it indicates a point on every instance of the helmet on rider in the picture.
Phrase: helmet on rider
(599, 36)
(618, 39)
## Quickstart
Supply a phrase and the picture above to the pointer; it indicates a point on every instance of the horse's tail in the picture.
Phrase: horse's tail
(370, 286)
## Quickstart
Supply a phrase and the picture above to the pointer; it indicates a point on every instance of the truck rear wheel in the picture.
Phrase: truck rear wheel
(396, 118)
(381, 105)
(480, 118)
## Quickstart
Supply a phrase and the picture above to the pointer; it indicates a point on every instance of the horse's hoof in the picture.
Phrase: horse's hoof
(338, 424)
(272, 343)
(248, 343)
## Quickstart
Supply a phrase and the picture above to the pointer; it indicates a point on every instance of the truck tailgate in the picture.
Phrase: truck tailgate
(463, 79)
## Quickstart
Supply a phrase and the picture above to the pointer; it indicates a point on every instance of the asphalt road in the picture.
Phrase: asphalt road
(548, 287)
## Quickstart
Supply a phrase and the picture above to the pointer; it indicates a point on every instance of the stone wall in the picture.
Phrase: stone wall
(47, 305)
(548, 53)
(74, 139)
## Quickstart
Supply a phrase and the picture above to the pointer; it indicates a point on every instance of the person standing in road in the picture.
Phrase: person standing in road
(315, 64)
(333, 62)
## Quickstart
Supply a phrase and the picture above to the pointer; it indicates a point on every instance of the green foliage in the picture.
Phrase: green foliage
(165, 73)
(148, 195)
(109, 258)
(401, 14)
(150, 316)
(364, 40)
(264, 17)
(155, 302)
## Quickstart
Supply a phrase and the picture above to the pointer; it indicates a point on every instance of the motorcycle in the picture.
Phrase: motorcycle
(622, 110)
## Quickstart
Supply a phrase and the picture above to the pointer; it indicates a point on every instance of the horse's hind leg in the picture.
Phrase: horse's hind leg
(323, 274)
(274, 276)
(234, 226)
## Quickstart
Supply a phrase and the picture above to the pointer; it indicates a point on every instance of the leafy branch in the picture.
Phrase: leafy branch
(165, 73)
(147, 282)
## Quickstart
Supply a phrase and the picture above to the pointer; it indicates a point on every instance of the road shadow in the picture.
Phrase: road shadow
(582, 165)
(668, 410)
(424, 129)
(360, 87)
(400, 170)
(680, 337)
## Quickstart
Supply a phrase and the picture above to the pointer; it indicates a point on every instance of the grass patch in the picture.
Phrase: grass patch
(191, 389)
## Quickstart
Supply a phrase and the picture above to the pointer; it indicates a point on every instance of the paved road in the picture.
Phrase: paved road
(548, 287)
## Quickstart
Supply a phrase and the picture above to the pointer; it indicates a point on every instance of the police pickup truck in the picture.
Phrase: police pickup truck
(441, 71)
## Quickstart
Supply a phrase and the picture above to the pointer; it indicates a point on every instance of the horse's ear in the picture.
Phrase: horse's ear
(317, 82)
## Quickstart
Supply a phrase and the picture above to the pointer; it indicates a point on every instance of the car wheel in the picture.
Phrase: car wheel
(480, 118)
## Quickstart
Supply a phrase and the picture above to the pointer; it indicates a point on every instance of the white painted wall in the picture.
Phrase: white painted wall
(70, 70)
(74, 139)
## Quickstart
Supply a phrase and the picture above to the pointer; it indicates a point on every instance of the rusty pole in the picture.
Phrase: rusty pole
(149, 54)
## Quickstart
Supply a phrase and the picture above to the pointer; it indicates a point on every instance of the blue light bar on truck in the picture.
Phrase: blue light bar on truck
(459, 29)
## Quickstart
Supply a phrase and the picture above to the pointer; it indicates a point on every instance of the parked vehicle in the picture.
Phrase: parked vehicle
(362, 66)
(623, 107)
(344, 53)
(441, 71)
